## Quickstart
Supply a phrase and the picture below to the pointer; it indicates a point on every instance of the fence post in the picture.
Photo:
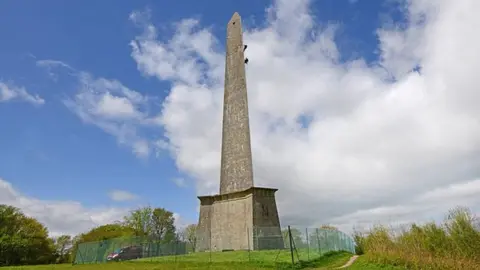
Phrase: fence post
(248, 241)
(318, 242)
(80, 253)
(291, 245)
(210, 249)
(175, 249)
(150, 244)
(308, 244)
(327, 240)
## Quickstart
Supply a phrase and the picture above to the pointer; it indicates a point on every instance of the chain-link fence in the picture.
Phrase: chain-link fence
(263, 246)
(126, 248)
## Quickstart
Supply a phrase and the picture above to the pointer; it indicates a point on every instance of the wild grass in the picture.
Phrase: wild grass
(453, 244)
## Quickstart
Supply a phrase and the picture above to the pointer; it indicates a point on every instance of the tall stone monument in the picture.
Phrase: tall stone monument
(242, 216)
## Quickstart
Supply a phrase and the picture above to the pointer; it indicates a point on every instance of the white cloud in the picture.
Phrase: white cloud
(9, 92)
(179, 222)
(121, 195)
(71, 217)
(60, 217)
(52, 63)
(435, 202)
(109, 105)
(49, 65)
(113, 107)
(371, 148)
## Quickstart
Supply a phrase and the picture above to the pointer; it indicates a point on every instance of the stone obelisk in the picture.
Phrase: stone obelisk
(241, 216)
(236, 163)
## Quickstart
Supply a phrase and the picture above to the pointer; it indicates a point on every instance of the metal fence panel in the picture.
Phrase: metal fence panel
(269, 246)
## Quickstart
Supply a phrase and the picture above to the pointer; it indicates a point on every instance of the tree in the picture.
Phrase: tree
(23, 240)
(163, 225)
(105, 232)
(63, 246)
(189, 234)
(140, 221)
(157, 223)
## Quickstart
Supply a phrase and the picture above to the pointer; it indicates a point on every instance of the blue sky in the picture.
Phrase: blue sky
(49, 153)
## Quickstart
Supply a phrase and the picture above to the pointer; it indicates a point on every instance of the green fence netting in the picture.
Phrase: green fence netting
(265, 245)
(97, 252)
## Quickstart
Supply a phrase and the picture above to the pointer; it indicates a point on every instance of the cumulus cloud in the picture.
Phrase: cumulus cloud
(121, 195)
(113, 107)
(9, 92)
(343, 141)
(60, 217)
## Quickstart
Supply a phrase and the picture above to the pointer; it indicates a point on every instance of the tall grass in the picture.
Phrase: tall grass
(453, 244)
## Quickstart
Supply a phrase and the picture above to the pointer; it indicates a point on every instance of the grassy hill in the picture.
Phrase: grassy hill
(227, 260)
(331, 260)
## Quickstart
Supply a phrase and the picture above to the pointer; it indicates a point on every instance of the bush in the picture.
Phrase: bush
(454, 244)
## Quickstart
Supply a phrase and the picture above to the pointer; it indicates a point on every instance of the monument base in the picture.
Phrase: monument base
(243, 220)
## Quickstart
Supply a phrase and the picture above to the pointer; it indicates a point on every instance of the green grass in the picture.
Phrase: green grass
(265, 258)
(238, 256)
(220, 260)
(143, 266)
(330, 260)
(225, 260)
(363, 264)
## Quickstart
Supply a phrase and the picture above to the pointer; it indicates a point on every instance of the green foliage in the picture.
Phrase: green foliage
(157, 223)
(359, 242)
(189, 235)
(63, 247)
(23, 240)
(106, 232)
(163, 225)
(455, 244)
(140, 221)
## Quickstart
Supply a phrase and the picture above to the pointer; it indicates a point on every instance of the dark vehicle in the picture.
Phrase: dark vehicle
(126, 253)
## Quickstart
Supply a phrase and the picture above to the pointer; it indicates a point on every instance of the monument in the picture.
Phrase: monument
(241, 216)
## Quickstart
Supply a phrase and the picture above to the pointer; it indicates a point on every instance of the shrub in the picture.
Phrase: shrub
(454, 244)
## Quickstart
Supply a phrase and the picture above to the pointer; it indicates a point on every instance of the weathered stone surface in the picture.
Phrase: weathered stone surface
(266, 222)
(236, 161)
(246, 219)
(241, 216)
